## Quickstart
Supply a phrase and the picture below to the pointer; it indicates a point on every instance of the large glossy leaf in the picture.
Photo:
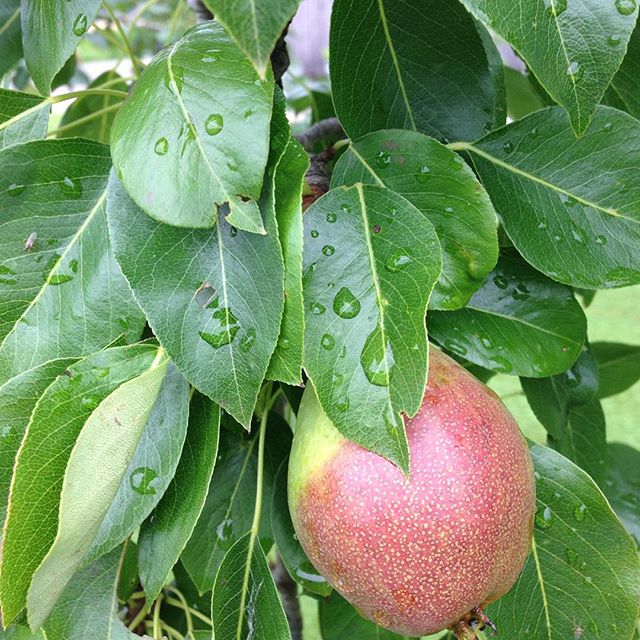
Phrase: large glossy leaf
(139, 429)
(13, 129)
(371, 261)
(339, 620)
(570, 206)
(51, 31)
(286, 362)
(445, 190)
(91, 116)
(18, 398)
(10, 35)
(255, 25)
(56, 421)
(214, 297)
(583, 570)
(180, 141)
(61, 291)
(519, 322)
(247, 608)
(405, 66)
(165, 533)
(573, 46)
(291, 552)
(619, 366)
(228, 510)
(88, 606)
(624, 90)
(553, 397)
(622, 484)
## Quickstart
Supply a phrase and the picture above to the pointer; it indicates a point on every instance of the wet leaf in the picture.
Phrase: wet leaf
(519, 322)
(573, 46)
(398, 66)
(66, 405)
(445, 190)
(25, 128)
(370, 263)
(619, 366)
(570, 206)
(179, 141)
(165, 533)
(623, 90)
(10, 35)
(61, 291)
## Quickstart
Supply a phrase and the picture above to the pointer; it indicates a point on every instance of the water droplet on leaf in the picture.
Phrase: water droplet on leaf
(213, 124)
(328, 250)
(327, 342)
(161, 147)
(317, 309)
(626, 7)
(397, 261)
(80, 25)
(376, 358)
(345, 304)
(224, 329)
(141, 481)
(544, 518)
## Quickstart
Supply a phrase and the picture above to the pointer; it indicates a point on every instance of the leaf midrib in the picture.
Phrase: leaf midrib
(468, 146)
(81, 229)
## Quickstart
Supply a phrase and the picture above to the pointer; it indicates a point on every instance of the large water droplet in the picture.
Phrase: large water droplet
(15, 190)
(397, 261)
(224, 534)
(520, 292)
(455, 347)
(141, 481)
(383, 159)
(376, 358)
(327, 342)
(317, 309)
(575, 71)
(345, 304)
(501, 282)
(544, 518)
(161, 147)
(224, 329)
(580, 512)
(328, 250)
(314, 233)
(72, 188)
(332, 217)
(423, 174)
(614, 40)
(626, 7)
(80, 25)
(248, 339)
(213, 124)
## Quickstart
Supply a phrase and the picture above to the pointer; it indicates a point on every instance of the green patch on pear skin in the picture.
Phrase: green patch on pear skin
(315, 442)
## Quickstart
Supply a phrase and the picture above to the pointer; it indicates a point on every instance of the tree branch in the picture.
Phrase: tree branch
(329, 130)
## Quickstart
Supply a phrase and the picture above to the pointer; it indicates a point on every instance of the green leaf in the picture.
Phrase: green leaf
(10, 35)
(214, 298)
(624, 90)
(228, 510)
(255, 25)
(14, 130)
(92, 116)
(552, 398)
(88, 606)
(262, 617)
(397, 66)
(371, 261)
(583, 570)
(57, 419)
(51, 32)
(621, 486)
(61, 291)
(619, 366)
(18, 398)
(165, 533)
(447, 193)
(293, 556)
(286, 361)
(569, 206)
(584, 440)
(519, 322)
(573, 47)
(522, 98)
(15, 632)
(123, 430)
(180, 140)
(339, 620)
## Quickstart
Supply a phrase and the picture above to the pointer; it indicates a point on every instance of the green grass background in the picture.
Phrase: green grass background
(613, 316)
